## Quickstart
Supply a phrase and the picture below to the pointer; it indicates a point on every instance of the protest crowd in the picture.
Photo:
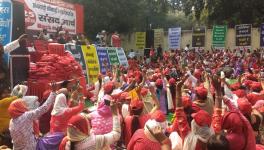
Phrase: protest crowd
(181, 100)
(61, 91)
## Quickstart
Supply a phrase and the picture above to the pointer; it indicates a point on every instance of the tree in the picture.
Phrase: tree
(229, 12)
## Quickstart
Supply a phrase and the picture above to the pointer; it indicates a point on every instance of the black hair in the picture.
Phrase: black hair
(72, 145)
(257, 124)
(65, 83)
(217, 142)
(135, 121)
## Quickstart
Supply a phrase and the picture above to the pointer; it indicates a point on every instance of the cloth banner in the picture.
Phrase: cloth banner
(122, 57)
(158, 37)
(92, 63)
(262, 35)
(174, 36)
(219, 36)
(103, 59)
(243, 35)
(76, 52)
(198, 37)
(112, 55)
(6, 17)
(43, 14)
(140, 40)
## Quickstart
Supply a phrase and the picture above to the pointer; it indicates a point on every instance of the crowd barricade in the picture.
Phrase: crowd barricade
(55, 48)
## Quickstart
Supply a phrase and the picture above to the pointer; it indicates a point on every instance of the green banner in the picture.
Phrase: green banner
(219, 35)
(112, 55)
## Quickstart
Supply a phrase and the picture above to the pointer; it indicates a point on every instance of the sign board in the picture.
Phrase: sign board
(198, 37)
(112, 55)
(76, 52)
(50, 15)
(219, 36)
(158, 37)
(243, 35)
(92, 63)
(174, 36)
(103, 59)
(140, 40)
(122, 57)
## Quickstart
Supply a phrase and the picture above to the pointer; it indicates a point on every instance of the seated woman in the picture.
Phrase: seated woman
(137, 119)
(61, 113)
(239, 134)
(79, 136)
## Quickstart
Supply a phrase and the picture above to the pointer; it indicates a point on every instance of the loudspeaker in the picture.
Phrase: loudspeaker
(150, 38)
(18, 20)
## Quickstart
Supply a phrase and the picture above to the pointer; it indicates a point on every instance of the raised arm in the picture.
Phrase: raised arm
(13, 45)
(114, 135)
(35, 114)
(180, 123)
(217, 116)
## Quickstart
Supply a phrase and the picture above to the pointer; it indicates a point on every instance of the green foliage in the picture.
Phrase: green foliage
(127, 16)
(229, 12)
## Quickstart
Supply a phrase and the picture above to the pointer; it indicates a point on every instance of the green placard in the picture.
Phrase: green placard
(219, 35)
(112, 55)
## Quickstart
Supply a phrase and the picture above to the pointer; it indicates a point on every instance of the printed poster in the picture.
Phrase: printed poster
(103, 59)
(219, 36)
(158, 37)
(92, 63)
(122, 57)
(76, 52)
(112, 55)
(50, 15)
(140, 40)
(174, 36)
(243, 35)
(198, 37)
(6, 16)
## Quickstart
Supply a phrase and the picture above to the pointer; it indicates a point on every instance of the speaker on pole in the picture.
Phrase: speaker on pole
(150, 38)
(18, 20)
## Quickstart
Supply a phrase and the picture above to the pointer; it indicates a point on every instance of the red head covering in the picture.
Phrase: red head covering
(166, 71)
(244, 105)
(108, 87)
(256, 86)
(186, 101)
(235, 86)
(136, 104)
(154, 77)
(17, 108)
(144, 91)
(247, 82)
(157, 70)
(172, 81)
(159, 82)
(202, 118)
(80, 123)
(158, 116)
(240, 93)
(201, 91)
(197, 73)
(239, 131)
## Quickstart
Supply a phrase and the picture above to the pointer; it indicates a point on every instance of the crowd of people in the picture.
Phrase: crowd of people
(63, 37)
(216, 98)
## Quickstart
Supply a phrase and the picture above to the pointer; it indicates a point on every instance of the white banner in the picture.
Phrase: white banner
(122, 57)
(46, 14)
(174, 36)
